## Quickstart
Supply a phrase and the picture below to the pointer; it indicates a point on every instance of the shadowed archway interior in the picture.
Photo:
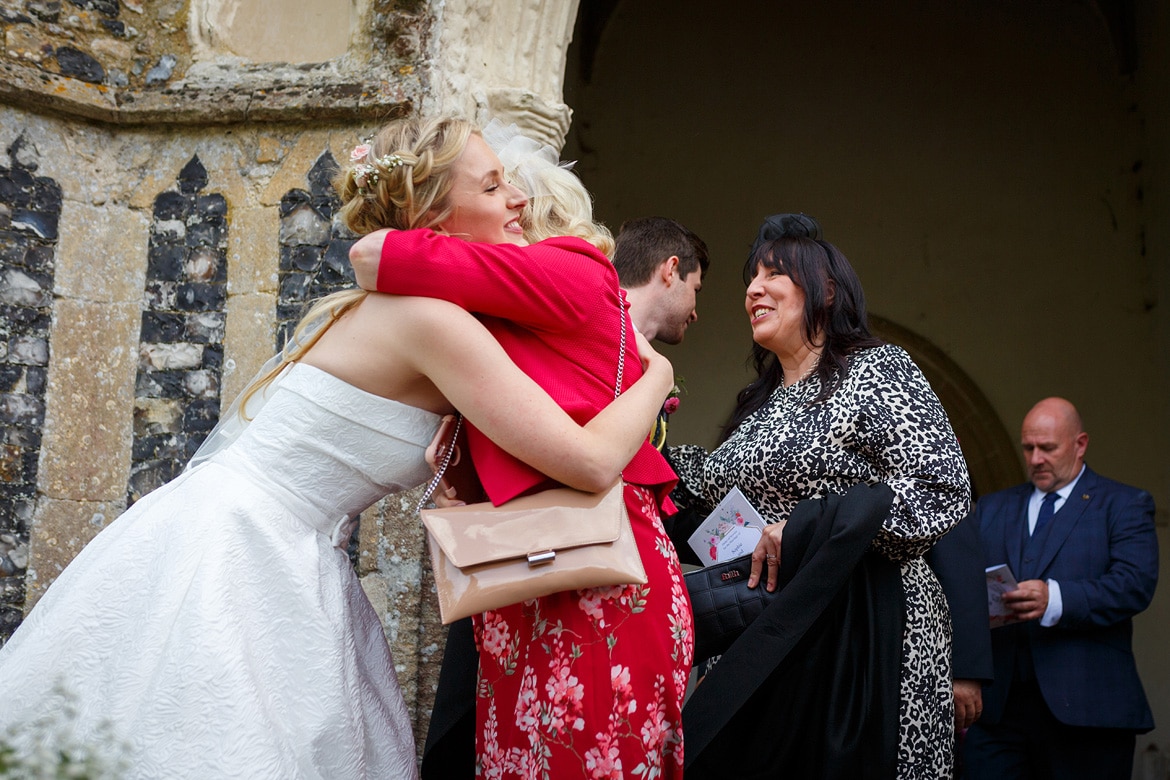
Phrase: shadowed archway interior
(991, 454)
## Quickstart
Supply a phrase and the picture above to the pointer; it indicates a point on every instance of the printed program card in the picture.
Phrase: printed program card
(1000, 580)
(732, 530)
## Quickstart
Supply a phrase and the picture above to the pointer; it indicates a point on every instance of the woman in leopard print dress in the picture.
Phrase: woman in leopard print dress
(834, 407)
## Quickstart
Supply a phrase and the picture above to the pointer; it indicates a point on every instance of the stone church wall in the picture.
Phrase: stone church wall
(165, 214)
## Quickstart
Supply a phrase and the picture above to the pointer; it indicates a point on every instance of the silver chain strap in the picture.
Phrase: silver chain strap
(434, 483)
(617, 390)
(621, 350)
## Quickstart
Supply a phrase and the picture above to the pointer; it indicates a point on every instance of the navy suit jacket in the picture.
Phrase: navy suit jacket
(1102, 549)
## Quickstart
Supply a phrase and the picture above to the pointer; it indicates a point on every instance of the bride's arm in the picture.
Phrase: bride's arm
(470, 368)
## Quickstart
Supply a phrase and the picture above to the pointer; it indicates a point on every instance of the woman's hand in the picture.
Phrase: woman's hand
(968, 702)
(365, 256)
(766, 556)
(445, 494)
(446, 497)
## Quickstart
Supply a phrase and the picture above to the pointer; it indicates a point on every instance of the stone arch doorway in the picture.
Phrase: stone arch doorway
(991, 453)
(794, 109)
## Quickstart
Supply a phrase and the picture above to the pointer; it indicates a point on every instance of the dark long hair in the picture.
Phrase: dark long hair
(834, 307)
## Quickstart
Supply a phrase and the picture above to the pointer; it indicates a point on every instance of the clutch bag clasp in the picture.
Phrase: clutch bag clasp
(541, 558)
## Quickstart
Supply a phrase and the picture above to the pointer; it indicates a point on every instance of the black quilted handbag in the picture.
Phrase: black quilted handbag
(724, 606)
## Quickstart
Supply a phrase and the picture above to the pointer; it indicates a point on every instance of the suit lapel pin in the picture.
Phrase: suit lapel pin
(1085, 496)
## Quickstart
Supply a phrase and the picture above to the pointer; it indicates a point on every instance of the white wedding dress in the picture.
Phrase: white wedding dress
(217, 625)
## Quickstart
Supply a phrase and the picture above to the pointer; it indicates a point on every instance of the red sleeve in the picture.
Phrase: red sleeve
(543, 286)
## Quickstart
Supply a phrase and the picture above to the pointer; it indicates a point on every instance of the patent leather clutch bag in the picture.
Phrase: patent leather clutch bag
(486, 557)
(724, 606)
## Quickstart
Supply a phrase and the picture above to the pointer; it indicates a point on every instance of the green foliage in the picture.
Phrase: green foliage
(49, 749)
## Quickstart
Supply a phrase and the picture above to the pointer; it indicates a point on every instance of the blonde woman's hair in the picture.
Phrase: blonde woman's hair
(399, 179)
(558, 203)
(561, 206)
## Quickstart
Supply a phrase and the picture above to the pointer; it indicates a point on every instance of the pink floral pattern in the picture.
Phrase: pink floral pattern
(590, 683)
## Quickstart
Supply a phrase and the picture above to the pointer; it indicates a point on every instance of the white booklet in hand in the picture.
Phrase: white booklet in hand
(1000, 580)
(732, 530)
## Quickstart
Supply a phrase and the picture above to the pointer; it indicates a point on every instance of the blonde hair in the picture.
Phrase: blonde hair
(413, 191)
(401, 180)
(558, 203)
(561, 206)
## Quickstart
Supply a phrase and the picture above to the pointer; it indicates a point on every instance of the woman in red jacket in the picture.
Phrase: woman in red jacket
(578, 684)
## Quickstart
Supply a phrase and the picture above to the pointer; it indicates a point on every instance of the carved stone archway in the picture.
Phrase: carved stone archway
(505, 59)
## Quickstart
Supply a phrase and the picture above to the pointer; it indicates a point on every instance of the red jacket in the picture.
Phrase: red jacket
(554, 307)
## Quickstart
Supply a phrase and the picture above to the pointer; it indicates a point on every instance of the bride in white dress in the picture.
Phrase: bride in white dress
(216, 628)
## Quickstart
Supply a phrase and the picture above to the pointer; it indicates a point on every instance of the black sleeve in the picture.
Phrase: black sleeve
(691, 512)
(957, 561)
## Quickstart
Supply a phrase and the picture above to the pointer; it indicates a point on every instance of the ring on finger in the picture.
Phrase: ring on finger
(771, 557)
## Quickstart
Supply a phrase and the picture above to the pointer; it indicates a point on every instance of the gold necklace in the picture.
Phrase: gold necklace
(806, 374)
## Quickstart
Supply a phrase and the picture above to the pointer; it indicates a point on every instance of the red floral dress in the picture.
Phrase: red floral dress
(589, 683)
(582, 683)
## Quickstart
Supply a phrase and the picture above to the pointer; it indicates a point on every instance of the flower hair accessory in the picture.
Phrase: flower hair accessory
(365, 172)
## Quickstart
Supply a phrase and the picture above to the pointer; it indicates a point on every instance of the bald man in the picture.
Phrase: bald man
(1066, 701)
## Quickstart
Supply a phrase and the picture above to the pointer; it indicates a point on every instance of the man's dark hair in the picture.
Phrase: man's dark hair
(642, 245)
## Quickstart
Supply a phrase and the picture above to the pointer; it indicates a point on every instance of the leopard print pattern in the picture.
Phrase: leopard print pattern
(883, 424)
